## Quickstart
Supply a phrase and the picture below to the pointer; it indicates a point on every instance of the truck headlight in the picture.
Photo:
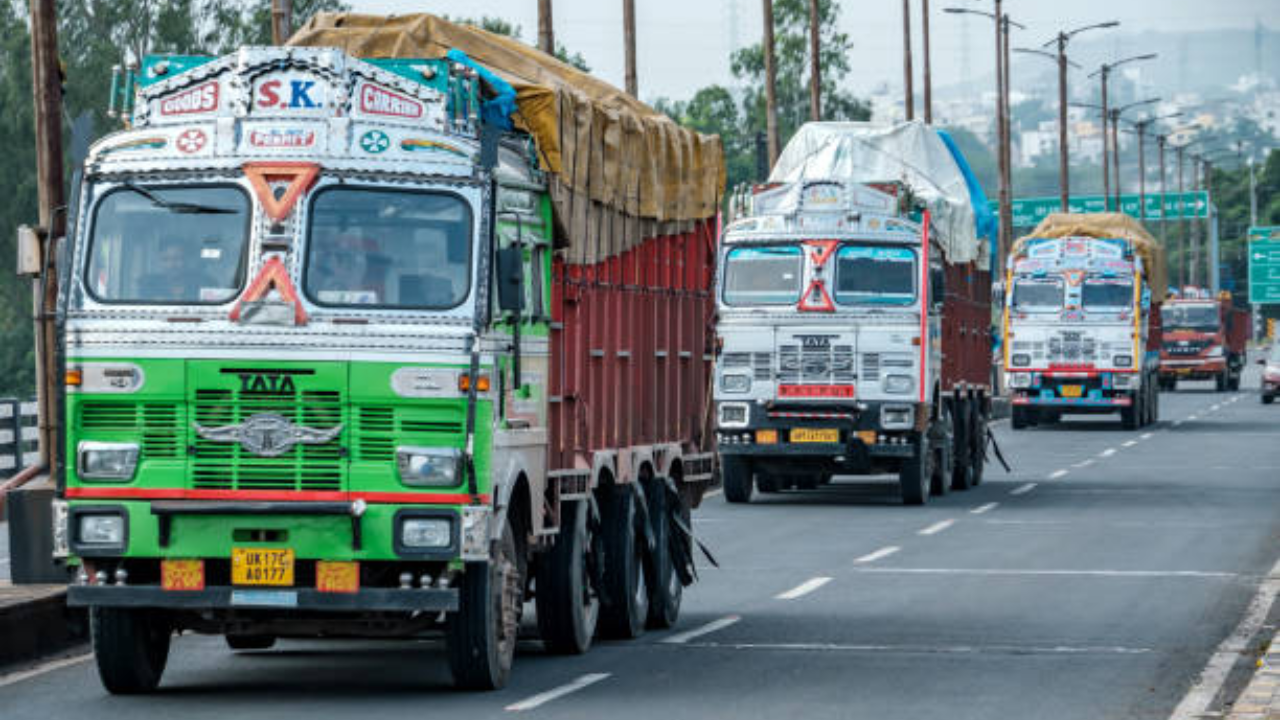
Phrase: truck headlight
(1019, 380)
(898, 384)
(106, 461)
(1122, 361)
(1020, 359)
(733, 415)
(897, 417)
(735, 383)
(100, 529)
(429, 466)
(1215, 351)
(426, 533)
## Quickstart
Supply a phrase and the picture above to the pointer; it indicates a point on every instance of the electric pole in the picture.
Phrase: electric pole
(770, 86)
(546, 31)
(815, 69)
(928, 80)
(908, 91)
(281, 21)
(1064, 177)
(629, 42)
(1164, 217)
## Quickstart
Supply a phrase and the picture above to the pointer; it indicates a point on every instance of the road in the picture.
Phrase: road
(1095, 581)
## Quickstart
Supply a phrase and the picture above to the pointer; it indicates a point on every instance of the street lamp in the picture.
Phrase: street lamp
(1105, 72)
(1115, 137)
(1140, 129)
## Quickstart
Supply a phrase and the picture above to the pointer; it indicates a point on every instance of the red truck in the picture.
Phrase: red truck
(1204, 339)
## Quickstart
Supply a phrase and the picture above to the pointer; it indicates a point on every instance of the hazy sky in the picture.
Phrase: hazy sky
(683, 45)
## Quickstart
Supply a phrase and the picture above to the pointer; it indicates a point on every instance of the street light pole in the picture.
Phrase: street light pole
(1064, 179)
(629, 44)
(1164, 219)
(815, 68)
(1104, 71)
(909, 100)
(928, 80)
(546, 31)
(770, 86)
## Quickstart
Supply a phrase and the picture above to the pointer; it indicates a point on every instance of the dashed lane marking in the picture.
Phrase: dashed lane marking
(1057, 474)
(985, 508)
(43, 668)
(1023, 490)
(714, 625)
(1193, 417)
(1083, 464)
(1107, 453)
(883, 552)
(713, 493)
(1194, 574)
(932, 649)
(1147, 436)
(546, 697)
(937, 527)
(1129, 443)
(803, 588)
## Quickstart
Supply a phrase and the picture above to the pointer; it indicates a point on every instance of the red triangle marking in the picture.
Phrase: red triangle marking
(816, 288)
(826, 247)
(273, 274)
(301, 175)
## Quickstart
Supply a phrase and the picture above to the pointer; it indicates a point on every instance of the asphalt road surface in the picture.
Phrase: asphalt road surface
(1098, 580)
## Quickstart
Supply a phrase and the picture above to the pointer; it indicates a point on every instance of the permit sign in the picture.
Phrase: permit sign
(1264, 264)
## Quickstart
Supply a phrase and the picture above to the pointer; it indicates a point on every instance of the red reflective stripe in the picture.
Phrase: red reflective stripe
(372, 497)
(924, 308)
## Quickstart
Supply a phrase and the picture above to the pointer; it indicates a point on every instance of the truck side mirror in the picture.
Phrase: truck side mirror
(937, 285)
(511, 279)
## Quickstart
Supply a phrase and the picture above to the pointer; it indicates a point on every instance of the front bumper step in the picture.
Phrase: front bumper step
(227, 597)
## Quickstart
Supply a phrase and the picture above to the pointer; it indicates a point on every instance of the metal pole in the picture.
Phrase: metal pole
(1183, 277)
(1253, 196)
(1215, 271)
(909, 93)
(1194, 271)
(1106, 149)
(1006, 206)
(1142, 173)
(46, 88)
(281, 21)
(629, 43)
(770, 86)
(1115, 154)
(1002, 239)
(928, 80)
(815, 67)
(1164, 216)
(1064, 180)
(546, 28)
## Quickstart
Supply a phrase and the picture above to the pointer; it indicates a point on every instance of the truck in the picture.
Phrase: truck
(1082, 320)
(349, 354)
(854, 317)
(1205, 338)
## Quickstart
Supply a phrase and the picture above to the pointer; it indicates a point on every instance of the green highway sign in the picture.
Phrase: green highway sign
(1028, 212)
(1264, 264)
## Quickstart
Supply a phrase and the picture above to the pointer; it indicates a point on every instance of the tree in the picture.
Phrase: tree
(499, 26)
(17, 200)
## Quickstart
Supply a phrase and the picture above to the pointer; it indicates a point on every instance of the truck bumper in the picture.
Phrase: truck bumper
(227, 598)
(818, 450)
(1193, 369)
(1083, 402)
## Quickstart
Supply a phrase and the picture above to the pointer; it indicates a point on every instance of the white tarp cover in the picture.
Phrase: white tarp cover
(908, 152)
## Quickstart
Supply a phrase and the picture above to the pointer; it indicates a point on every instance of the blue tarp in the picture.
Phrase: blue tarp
(497, 110)
(985, 223)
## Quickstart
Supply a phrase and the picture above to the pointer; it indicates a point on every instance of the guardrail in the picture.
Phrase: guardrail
(18, 435)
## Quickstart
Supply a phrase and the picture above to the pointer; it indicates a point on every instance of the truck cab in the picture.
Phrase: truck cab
(1204, 339)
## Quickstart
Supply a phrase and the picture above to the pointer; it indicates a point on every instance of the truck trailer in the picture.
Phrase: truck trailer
(1082, 320)
(1205, 338)
(854, 321)
(350, 354)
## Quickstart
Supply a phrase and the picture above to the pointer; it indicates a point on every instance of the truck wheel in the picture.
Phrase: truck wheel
(961, 452)
(735, 473)
(250, 642)
(766, 483)
(665, 589)
(1155, 408)
(626, 606)
(1220, 381)
(567, 605)
(979, 445)
(480, 637)
(940, 480)
(1268, 399)
(1129, 416)
(131, 648)
(915, 474)
(1233, 384)
(1018, 418)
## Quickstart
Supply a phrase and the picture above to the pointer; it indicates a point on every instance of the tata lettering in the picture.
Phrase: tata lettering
(292, 94)
(199, 99)
(379, 101)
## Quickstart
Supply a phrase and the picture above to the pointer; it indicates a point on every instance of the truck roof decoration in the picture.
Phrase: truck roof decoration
(1114, 226)
(608, 153)
(818, 207)
(911, 153)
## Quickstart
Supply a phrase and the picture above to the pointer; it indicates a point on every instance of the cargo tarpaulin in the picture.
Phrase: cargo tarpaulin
(1103, 226)
(909, 152)
(620, 171)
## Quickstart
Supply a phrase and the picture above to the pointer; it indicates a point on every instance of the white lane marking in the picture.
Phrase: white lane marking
(1129, 443)
(713, 493)
(1057, 474)
(50, 666)
(935, 649)
(937, 527)
(1107, 453)
(546, 697)
(714, 625)
(883, 552)
(1201, 695)
(984, 508)
(1023, 490)
(1202, 574)
(803, 588)
(1215, 408)
(1083, 464)
(1176, 423)
(1147, 436)
(1193, 417)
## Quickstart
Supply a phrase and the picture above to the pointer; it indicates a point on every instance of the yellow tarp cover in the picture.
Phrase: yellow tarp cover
(598, 143)
(1107, 225)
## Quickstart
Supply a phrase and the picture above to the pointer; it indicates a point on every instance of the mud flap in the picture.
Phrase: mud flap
(995, 447)
(683, 541)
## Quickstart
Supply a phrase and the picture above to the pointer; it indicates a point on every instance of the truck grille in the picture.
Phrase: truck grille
(1072, 347)
(829, 365)
(380, 428)
(1188, 348)
(757, 361)
(159, 424)
(228, 466)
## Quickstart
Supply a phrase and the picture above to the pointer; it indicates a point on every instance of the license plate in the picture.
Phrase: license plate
(1072, 390)
(180, 575)
(809, 435)
(338, 577)
(261, 566)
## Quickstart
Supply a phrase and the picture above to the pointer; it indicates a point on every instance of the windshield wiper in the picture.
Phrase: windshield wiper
(181, 208)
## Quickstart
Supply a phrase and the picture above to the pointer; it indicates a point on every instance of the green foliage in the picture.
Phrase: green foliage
(499, 26)
(17, 200)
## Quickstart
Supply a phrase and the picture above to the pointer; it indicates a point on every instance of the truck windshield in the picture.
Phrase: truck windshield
(388, 248)
(1038, 295)
(1177, 316)
(168, 245)
(1107, 294)
(762, 275)
(875, 275)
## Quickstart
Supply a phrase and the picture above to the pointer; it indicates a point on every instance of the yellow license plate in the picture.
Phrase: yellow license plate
(338, 577)
(809, 435)
(261, 566)
(1072, 390)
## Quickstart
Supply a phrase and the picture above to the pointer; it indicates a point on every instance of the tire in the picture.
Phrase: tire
(665, 589)
(250, 642)
(625, 603)
(1130, 416)
(1268, 399)
(962, 448)
(941, 478)
(1155, 408)
(915, 474)
(131, 648)
(1220, 382)
(735, 473)
(979, 446)
(1018, 418)
(1233, 383)
(567, 606)
(768, 483)
(480, 637)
